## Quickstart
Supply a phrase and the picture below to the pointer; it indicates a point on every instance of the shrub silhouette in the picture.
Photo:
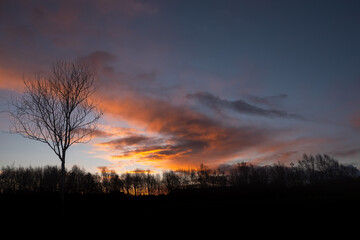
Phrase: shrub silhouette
(310, 170)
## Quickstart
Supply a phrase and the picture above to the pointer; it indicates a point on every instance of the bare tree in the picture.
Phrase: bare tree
(58, 109)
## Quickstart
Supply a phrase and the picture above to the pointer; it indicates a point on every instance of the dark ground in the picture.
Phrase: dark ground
(230, 209)
(320, 201)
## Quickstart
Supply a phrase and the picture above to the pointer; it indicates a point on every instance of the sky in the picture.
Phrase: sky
(190, 82)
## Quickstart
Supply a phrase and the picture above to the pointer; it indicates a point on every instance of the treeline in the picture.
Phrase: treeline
(310, 170)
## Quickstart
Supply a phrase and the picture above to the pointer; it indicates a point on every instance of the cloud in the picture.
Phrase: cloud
(67, 23)
(355, 120)
(102, 62)
(126, 141)
(10, 79)
(270, 101)
(238, 106)
(187, 138)
(347, 152)
(99, 58)
(282, 156)
(34, 33)
(127, 8)
(101, 134)
(21, 33)
(153, 153)
(114, 80)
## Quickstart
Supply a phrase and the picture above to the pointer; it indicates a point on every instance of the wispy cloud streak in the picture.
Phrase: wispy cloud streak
(239, 106)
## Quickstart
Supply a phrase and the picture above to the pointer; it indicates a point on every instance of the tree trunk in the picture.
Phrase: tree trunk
(62, 185)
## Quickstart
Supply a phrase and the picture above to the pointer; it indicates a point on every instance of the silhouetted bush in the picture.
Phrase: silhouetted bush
(309, 171)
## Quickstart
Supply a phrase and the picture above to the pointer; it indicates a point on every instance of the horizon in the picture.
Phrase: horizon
(185, 83)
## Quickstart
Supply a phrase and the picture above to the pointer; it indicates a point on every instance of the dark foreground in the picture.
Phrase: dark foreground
(335, 204)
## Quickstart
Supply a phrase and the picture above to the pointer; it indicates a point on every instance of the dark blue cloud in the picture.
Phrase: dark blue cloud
(239, 106)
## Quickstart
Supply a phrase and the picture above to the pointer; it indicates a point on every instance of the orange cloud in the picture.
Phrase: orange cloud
(176, 136)
(187, 138)
(10, 79)
(126, 141)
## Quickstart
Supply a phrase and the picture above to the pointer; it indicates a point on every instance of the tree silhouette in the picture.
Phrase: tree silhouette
(171, 180)
(128, 181)
(57, 109)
